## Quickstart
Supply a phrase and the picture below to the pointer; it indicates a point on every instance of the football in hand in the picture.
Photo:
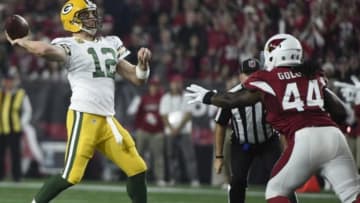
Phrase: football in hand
(16, 27)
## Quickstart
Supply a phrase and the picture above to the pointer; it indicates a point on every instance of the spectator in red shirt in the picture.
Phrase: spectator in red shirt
(149, 129)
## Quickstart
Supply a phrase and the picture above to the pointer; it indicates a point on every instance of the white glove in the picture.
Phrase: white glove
(348, 90)
(355, 81)
(196, 93)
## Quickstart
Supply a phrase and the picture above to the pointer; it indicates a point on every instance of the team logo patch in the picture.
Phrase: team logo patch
(252, 64)
(67, 8)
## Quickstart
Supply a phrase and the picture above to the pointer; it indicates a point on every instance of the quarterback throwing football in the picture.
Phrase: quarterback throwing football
(92, 61)
(298, 105)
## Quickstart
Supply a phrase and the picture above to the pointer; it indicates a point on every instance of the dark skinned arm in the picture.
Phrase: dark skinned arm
(229, 100)
(335, 106)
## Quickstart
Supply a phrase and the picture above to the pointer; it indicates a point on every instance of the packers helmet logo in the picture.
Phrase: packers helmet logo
(67, 8)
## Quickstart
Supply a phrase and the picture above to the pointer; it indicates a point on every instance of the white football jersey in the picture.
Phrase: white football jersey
(91, 68)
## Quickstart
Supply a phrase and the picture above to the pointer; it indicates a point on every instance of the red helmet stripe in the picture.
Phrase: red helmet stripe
(274, 43)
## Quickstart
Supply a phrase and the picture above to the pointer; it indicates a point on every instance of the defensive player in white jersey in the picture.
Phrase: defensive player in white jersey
(92, 61)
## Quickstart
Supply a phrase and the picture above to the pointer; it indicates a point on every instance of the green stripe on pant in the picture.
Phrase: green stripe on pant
(73, 142)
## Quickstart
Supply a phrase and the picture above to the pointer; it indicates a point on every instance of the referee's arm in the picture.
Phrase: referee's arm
(222, 119)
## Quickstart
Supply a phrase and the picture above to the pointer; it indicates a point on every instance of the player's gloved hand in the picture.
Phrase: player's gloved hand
(198, 94)
(349, 91)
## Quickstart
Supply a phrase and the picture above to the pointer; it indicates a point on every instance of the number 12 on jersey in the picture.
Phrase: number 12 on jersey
(292, 98)
(110, 63)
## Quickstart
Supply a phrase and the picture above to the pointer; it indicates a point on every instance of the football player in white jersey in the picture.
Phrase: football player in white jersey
(92, 61)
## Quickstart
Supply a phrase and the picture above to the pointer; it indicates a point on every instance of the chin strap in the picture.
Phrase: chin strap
(91, 32)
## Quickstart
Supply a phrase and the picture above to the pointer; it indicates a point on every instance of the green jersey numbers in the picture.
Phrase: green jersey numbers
(109, 56)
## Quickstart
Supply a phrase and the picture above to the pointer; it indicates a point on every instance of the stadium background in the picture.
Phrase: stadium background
(203, 40)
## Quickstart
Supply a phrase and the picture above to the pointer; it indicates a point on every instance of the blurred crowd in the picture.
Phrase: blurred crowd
(202, 39)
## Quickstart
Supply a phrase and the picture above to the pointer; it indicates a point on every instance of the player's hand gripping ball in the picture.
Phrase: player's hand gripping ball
(16, 27)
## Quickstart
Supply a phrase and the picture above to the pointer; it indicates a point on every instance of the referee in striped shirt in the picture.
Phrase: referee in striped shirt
(252, 137)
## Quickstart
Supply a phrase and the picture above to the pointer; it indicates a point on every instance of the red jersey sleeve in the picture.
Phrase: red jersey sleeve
(259, 81)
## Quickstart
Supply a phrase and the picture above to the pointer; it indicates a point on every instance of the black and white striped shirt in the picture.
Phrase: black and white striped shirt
(248, 123)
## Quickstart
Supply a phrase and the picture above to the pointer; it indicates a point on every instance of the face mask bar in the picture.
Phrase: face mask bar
(88, 20)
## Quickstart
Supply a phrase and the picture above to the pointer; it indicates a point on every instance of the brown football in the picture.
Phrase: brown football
(16, 26)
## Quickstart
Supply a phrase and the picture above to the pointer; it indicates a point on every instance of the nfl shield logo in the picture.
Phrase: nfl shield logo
(252, 63)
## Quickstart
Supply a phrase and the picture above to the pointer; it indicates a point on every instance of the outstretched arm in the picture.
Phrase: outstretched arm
(137, 74)
(40, 48)
(243, 97)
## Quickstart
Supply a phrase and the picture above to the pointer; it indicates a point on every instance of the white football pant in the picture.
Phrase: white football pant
(316, 149)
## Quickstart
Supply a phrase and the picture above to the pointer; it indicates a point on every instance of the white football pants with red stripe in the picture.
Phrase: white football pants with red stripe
(314, 149)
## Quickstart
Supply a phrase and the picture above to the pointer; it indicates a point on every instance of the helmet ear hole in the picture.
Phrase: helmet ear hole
(271, 58)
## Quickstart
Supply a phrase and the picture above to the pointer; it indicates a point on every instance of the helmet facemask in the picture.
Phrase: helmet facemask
(88, 20)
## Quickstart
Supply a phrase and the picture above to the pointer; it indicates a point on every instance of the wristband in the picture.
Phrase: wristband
(219, 157)
(141, 74)
(207, 97)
